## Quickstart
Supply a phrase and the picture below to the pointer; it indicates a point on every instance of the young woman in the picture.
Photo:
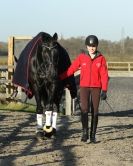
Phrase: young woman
(93, 84)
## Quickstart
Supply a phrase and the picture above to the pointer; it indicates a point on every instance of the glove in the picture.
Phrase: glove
(103, 95)
(73, 94)
(73, 91)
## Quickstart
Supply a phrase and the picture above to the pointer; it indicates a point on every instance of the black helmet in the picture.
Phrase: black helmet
(91, 40)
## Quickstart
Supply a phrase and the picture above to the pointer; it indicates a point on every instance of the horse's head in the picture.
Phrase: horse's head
(50, 56)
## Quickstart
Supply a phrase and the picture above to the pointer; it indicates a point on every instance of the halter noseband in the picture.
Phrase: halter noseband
(43, 45)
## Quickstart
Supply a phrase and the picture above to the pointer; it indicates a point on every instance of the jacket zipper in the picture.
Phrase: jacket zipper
(91, 67)
(91, 70)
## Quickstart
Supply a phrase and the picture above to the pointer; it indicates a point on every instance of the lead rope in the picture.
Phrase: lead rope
(112, 111)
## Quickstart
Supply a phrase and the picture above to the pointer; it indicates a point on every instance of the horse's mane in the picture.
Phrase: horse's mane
(64, 57)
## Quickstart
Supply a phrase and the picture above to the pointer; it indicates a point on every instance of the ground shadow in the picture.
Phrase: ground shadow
(116, 128)
(65, 132)
(125, 113)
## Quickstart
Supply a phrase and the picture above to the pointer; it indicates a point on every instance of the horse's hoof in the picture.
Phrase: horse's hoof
(54, 131)
(51, 134)
(40, 136)
(93, 141)
(48, 135)
(48, 129)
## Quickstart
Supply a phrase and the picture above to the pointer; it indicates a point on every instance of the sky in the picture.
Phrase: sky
(108, 19)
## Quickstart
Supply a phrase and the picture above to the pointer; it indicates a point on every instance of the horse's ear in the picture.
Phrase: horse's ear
(55, 36)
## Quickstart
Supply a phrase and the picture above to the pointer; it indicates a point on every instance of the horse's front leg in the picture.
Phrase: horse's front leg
(55, 100)
(51, 120)
(51, 113)
(54, 119)
(39, 110)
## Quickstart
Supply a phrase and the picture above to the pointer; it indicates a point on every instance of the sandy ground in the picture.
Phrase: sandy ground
(19, 147)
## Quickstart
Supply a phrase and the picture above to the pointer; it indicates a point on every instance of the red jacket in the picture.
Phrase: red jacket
(93, 72)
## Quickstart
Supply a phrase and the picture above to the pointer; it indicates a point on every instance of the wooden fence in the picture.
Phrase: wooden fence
(120, 66)
(120, 69)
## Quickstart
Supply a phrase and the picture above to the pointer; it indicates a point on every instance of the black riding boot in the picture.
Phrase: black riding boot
(94, 122)
(84, 121)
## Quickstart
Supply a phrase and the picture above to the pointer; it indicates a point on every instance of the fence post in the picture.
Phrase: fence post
(129, 66)
(10, 63)
(7, 89)
(68, 102)
(73, 106)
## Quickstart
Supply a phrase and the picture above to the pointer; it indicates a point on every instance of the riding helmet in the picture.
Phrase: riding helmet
(91, 40)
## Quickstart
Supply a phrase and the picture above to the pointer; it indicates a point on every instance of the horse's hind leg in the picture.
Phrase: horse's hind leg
(39, 117)
(39, 129)
(54, 122)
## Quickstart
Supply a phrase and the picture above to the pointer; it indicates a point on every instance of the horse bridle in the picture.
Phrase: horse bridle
(50, 48)
(42, 66)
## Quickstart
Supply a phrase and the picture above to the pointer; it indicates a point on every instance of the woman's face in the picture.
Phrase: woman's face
(91, 49)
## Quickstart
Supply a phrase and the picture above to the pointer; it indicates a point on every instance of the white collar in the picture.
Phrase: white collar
(92, 56)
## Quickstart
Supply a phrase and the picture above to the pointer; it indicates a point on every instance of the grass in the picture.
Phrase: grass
(3, 60)
(18, 106)
(119, 58)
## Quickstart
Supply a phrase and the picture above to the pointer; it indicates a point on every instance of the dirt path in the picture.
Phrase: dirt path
(18, 146)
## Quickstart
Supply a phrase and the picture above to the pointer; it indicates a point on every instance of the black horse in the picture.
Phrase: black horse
(45, 64)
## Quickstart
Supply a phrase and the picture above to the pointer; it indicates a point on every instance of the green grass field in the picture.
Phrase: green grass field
(3, 60)
(17, 106)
